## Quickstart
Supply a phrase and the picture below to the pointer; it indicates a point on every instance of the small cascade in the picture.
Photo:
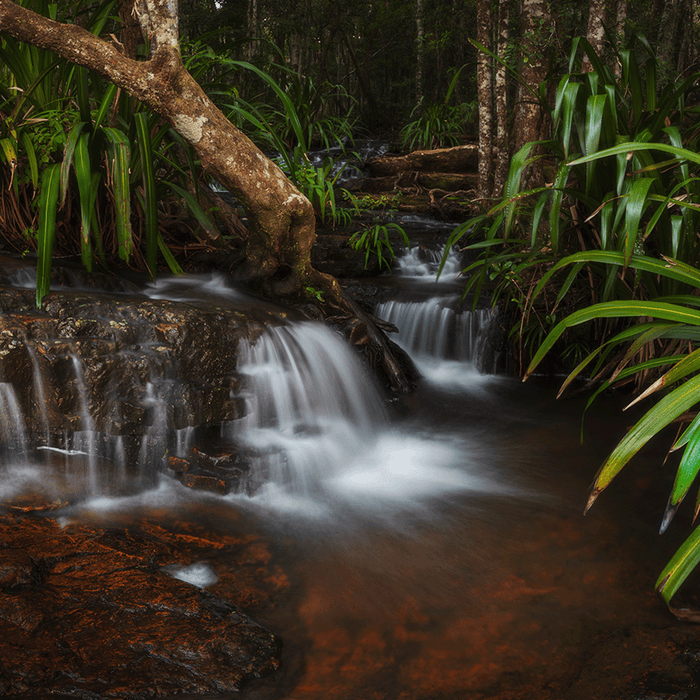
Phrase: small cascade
(423, 262)
(154, 443)
(434, 326)
(43, 431)
(84, 440)
(435, 329)
(311, 407)
(13, 433)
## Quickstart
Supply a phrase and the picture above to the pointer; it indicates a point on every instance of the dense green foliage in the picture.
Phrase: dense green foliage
(111, 176)
(90, 152)
(612, 241)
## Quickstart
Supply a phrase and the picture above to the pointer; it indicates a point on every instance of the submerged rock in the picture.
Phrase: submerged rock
(93, 613)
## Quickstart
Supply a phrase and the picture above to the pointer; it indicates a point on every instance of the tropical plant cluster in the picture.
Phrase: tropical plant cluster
(86, 170)
(601, 263)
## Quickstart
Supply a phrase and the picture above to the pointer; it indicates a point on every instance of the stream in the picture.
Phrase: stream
(437, 554)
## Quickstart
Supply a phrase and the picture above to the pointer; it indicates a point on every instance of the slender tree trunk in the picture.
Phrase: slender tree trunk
(420, 50)
(502, 140)
(536, 31)
(597, 18)
(130, 32)
(670, 38)
(686, 52)
(484, 81)
(620, 31)
(252, 27)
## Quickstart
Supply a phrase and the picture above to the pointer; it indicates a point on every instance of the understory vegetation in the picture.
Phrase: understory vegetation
(601, 263)
(87, 171)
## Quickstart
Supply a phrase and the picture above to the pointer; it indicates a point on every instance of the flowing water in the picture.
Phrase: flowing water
(437, 554)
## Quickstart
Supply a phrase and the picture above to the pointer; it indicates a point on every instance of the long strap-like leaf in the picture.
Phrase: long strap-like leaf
(48, 201)
(149, 188)
(615, 309)
(121, 155)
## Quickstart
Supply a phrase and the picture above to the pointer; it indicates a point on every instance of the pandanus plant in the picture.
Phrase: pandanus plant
(673, 321)
(616, 230)
(83, 145)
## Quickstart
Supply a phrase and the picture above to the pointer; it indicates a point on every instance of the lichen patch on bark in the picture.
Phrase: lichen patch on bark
(190, 127)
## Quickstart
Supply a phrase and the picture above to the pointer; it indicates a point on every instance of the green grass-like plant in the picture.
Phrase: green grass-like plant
(438, 124)
(108, 149)
(610, 243)
(376, 242)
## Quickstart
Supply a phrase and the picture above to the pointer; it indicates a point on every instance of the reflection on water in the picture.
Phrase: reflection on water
(452, 561)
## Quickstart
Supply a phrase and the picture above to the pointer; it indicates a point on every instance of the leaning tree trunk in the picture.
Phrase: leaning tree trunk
(282, 220)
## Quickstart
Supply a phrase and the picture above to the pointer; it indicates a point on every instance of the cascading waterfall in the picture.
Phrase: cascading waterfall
(434, 329)
(299, 414)
(38, 388)
(14, 433)
(423, 263)
(84, 440)
(312, 408)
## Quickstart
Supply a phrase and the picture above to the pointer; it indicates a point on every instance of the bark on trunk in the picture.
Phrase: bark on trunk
(620, 31)
(502, 150)
(597, 18)
(536, 20)
(420, 50)
(484, 81)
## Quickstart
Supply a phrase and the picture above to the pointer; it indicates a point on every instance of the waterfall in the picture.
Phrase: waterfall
(12, 427)
(40, 394)
(423, 262)
(84, 440)
(311, 406)
(433, 329)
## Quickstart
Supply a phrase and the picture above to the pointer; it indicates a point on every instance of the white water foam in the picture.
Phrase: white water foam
(200, 574)
(311, 406)
(434, 330)
(422, 263)
(324, 440)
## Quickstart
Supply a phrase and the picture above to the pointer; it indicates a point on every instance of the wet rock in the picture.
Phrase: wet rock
(86, 612)
(221, 472)
(120, 346)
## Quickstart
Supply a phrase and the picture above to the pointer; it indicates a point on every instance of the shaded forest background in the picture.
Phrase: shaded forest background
(389, 56)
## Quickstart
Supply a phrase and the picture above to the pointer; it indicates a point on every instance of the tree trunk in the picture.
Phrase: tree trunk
(620, 31)
(502, 141)
(670, 38)
(484, 82)
(596, 30)
(420, 50)
(282, 221)
(536, 28)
